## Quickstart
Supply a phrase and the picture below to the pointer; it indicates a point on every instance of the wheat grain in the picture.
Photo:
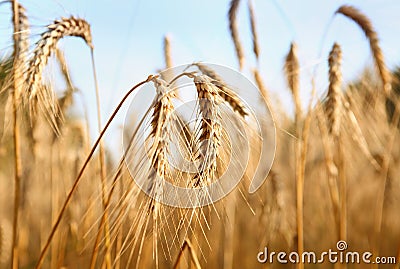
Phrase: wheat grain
(235, 32)
(366, 25)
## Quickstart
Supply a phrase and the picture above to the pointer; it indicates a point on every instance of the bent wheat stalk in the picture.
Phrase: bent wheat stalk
(103, 169)
(80, 174)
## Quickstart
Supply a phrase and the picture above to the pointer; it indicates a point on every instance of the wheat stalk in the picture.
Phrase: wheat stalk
(334, 108)
(233, 28)
(17, 76)
(102, 159)
(187, 244)
(331, 167)
(366, 25)
(82, 170)
(261, 85)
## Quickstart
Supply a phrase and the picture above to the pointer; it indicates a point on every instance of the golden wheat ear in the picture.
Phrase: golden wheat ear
(253, 28)
(366, 26)
(334, 103)
(292, 71)
(233, 28)
(210, 138)
(224, 91)
(45, 47)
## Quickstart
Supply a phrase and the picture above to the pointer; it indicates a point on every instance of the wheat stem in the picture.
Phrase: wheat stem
(187, 244)
(16, 135)
(261, 85)
(80, 174)
(103, 170)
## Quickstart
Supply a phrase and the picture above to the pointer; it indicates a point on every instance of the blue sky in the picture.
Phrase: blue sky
(128, 39)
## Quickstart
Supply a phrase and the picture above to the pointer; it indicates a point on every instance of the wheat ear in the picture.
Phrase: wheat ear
(160, 131)
(224, 91)
(365, 24)
(163, 109)
(44, 48)
(253, 28)
(209, 141)
(24, 30)
(233, 28)
(334, 104)
(292, 71)
(167, 52)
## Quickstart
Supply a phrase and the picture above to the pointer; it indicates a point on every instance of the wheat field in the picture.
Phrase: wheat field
(71, 200)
